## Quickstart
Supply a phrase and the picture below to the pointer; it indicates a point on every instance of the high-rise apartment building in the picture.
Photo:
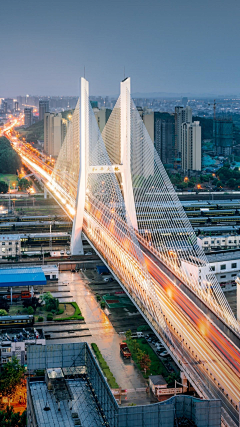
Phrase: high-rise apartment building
(223, 136)
(43, 108)
(102, 115)
(28, 116)
(191, 147)
(55, 129)
(182, 115)
(164, 138)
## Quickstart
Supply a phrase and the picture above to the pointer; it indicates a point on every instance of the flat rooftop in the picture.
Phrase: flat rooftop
(225, 256)
(22, 276)
(84, 407)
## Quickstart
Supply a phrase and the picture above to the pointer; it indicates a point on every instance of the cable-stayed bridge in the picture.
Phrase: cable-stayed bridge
(116, 190)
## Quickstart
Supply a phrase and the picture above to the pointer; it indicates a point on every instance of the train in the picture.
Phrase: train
(16, 321)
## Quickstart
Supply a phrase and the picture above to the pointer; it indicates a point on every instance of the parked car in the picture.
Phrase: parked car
(68, 253)
(108, 279)
(62, 252)
(164, 353)
(88, 253)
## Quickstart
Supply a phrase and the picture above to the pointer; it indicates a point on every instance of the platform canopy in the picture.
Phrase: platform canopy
(22, 276)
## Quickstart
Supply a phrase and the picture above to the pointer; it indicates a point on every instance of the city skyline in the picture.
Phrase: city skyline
(47, 47)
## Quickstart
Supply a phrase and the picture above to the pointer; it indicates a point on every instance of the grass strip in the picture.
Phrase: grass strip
(104, 366)
(157, 367)
(76, 316)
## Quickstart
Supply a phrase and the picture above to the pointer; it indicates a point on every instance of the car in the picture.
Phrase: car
(164, 353)
(68, 253)
(108, 279)
(62, 252)
(88, 253)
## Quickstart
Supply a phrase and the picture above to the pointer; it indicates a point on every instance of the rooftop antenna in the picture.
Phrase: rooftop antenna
(84, 71)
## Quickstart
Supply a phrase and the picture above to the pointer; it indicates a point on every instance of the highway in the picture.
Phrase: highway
(217, 357)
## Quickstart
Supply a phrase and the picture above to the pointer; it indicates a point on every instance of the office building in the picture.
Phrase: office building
(9, 102)
(182, 115)
(191, 147)
(4, 107)
(10, 348)
(43, 108)
(16, 106)
(223, 136)
(164, 138)
(28, 116)
(55, 129)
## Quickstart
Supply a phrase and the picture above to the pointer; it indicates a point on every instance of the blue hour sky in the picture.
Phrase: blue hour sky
(171, 46)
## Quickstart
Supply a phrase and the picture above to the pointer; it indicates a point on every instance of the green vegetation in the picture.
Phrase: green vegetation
(24, 184)
(77, 314)
(104, 366)
(140, 345)
(3, 312)
(51, 303)
(30, 310)
(228, 177)
(9, 418)
(34, 132)
(11, 375)
(10, 161)
(40, 319)
(49, 317)
(3, 187)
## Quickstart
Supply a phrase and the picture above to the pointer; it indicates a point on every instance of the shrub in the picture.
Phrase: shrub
(60, 311)
(103, 304)
(30, 310)
(98, 298)
(40, 319)
(49, 317)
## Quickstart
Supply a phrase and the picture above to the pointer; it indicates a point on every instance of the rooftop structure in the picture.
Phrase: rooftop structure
(22, 276)
(74, 392)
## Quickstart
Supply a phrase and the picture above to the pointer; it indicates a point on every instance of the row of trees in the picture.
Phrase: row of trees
(9, 159)
(142, 357)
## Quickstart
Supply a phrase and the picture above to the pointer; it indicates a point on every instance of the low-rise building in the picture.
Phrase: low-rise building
(228, 241)
(156, 384)
(16, 344)
(10, 245)
(226, 267)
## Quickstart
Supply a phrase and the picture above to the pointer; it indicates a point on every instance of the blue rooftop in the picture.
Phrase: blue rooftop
(22, 276)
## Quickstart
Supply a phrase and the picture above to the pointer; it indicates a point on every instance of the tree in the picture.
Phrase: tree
(10, 376)
(3, 187)
(4, 304)
(24, 184)
(9, 418)
(145, 362)
(30, 310)
(140, 354)
(3, 312)
(128, 334)
(51, 303)
(33, 302)
(9, 159)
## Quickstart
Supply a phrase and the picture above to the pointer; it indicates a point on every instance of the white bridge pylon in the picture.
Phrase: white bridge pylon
(123, 168)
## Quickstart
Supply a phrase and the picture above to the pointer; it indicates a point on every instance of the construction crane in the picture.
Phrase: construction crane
(214, 108)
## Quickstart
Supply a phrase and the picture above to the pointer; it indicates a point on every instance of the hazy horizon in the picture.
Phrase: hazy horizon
(174, 47)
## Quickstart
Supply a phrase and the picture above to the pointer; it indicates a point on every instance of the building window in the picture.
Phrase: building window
(3, 250)
(10, 243)
(3, 243)
(234, 265)
(223, 267)
(212, 268)
(223, 277)
(233, 275)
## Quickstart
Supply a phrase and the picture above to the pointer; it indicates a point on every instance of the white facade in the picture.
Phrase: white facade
(9, 349)
(196, 272)
(191, 146)
(55, 128)
(226, 267)
(50, 271)
(10, 245)
(182, 115)
(220, 242)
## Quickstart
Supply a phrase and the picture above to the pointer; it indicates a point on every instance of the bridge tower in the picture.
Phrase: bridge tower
(124, 168)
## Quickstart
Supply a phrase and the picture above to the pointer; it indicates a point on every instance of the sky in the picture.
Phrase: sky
(170, 46)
